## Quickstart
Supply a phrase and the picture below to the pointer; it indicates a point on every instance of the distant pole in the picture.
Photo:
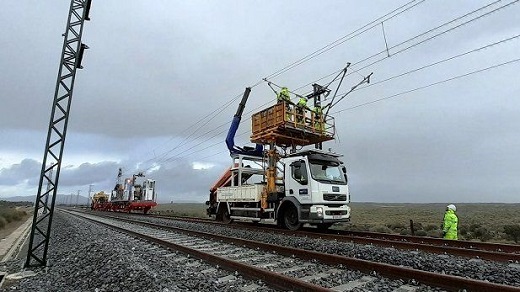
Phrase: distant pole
(77, 198)
(89, 194)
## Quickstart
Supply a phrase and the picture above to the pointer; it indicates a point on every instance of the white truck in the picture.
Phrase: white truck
(311, 187)
(269, 185)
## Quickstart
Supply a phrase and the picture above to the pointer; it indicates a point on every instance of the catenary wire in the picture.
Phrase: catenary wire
(429, 85)
(415, 37)
(345, 38)
(413, 45)
(441, 61)
(384, 98)
(328, 47)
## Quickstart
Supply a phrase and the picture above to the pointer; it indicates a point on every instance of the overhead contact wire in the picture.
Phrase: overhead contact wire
(430, 85)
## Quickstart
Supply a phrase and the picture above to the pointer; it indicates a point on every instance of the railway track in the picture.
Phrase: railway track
(478, 250)
(495, 247)
(254, 258)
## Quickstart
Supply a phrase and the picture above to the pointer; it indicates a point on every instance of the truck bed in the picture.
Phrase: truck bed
(247, 193)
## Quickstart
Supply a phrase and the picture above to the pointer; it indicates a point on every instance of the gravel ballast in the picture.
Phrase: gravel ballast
(495, 272)
(84, 256)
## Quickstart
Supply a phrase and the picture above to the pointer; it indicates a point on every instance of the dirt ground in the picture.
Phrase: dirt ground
(10, 227)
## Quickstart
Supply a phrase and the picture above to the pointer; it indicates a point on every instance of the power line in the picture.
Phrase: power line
(213, 114)
(347, 37)
(324, 49)
(418, 36)
(173, 159)
(368, 58)
(397, 94)
(440, 33)
(430, 85)
(441, 61)
(363, 104)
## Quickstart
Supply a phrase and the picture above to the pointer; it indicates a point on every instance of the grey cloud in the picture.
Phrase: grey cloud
(21, 172)
(154, 70)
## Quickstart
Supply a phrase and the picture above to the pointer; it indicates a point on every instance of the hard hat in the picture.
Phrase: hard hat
(452, 207)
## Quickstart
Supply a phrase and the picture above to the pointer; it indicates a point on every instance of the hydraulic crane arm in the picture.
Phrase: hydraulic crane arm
(230, 138)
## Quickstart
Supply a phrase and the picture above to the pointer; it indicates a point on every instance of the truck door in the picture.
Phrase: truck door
(297, 183)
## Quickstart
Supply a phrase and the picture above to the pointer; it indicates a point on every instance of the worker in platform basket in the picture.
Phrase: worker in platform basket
(283, 96)
(318, 122)
(449, 226)
(301, 106)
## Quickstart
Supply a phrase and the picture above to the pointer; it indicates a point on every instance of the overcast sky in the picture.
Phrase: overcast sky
(160, 81)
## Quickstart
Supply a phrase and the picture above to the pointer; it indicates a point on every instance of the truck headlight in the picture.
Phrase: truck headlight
(319, 211)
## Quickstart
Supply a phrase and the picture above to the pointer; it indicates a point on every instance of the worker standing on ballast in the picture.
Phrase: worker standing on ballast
(449, 226)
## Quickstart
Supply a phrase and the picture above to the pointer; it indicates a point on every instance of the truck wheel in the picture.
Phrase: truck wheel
(290, 218)
(225, 217)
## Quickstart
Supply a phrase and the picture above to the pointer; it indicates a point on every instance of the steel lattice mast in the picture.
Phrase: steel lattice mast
(71, 56)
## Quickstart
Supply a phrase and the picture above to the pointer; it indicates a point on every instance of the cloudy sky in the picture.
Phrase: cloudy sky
(438, 123)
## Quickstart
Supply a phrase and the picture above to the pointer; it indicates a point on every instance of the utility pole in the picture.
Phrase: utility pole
(71, 57)
(77, 199)
(89, 194)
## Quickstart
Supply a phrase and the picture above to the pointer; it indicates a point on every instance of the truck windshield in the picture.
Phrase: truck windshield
(327, 172)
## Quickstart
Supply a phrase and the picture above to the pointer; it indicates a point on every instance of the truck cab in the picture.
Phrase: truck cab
(316, 185)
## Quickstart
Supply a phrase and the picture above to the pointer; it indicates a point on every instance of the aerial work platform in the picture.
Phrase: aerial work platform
(286, 124)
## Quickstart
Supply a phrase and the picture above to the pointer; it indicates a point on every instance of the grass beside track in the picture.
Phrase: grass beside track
(481, 222)
(11, 218)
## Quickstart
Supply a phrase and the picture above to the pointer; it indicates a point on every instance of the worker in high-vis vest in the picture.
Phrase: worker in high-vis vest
(318, 122)
(449, 226)
(301, 106)
(283, 96)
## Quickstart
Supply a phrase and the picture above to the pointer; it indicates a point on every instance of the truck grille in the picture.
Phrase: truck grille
(334, 197)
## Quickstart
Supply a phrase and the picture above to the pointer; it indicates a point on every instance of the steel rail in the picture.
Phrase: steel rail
(493, 252)
(275, 280)
(500, 247)
(439, 249)
(450, 282)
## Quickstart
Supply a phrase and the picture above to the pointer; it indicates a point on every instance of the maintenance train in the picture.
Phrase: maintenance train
(132, 194)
